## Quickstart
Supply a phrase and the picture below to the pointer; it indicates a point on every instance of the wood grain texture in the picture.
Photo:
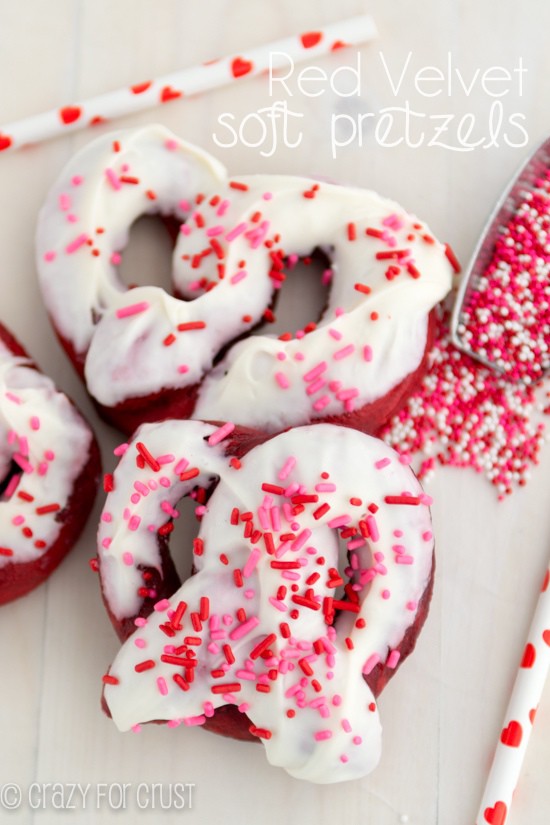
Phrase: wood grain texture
(442, 713)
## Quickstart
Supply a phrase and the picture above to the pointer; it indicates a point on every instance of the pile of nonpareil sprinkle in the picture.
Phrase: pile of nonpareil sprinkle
(466, 415)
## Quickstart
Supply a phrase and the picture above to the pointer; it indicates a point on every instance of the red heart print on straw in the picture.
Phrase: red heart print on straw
(187, 82)
(519, 716)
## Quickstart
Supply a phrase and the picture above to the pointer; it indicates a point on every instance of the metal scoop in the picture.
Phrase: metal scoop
(524, 181)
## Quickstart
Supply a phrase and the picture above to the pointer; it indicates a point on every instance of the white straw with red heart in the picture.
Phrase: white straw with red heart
(187, 82)
(519, 717)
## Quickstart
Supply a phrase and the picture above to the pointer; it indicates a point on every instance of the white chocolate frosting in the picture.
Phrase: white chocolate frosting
(44, 445)
(106, 186)
(256, 620)
(387, 273)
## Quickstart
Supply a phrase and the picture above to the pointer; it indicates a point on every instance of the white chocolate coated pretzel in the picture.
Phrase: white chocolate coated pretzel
(262, 623)
(48, 460)
(387, 271)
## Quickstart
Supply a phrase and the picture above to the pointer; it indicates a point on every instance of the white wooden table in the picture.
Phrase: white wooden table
(442, 713)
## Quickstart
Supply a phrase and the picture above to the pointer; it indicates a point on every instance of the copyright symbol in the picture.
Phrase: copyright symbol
(10, 796)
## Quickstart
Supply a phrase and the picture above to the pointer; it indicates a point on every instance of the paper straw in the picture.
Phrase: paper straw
(187, 82)
(519, 717)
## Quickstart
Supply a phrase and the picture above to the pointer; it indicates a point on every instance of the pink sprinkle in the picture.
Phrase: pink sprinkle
(412, 605)
(347, 395)
(76, 244)
(251, 562)
(344, 352)
(238, 276)
(282, 380)
(393, 221)
(141, 488)
(185, 229)
(25, 465)
(134, 523)
(275, 514)
(77, 180)
(339, 521)
(315, 371)
(346, 725)
(171, 144)
(321, 403)
(166, 459)
(184, 205)
(136, 728)
(213, 231)
(235, 232)
(49, 256)
(12, 486)
(383, 462)
(221, 433)
(334, 333)
(140, 621)
(385, 594)
(320, 735)
(18, 520)
(371, 663)
(181, 466)
(354, 545)
(128, 559)
(325, 487)
(116, 258)
(133, 309)
(35, 422)
(393, 659)
(183, 368)
(300, 540)
(121, 449)
(245, 674)
(141, 643)
(162, 686)
(267, 196)
(244, 628)
(49, 455)
(372, 528)
(222, 208)
(287, 468)
(194, 720)
(113, 179)
(326, 277)
(279, 605)
(367, 353)
(11, 397)
(427, 535)
(64, 202)
(315, 386)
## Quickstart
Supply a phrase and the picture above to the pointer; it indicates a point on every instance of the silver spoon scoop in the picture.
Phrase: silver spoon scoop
(536, 165)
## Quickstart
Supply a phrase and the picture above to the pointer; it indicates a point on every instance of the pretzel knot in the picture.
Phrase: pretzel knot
(313, 571)
(148, 355)
(49, 469)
